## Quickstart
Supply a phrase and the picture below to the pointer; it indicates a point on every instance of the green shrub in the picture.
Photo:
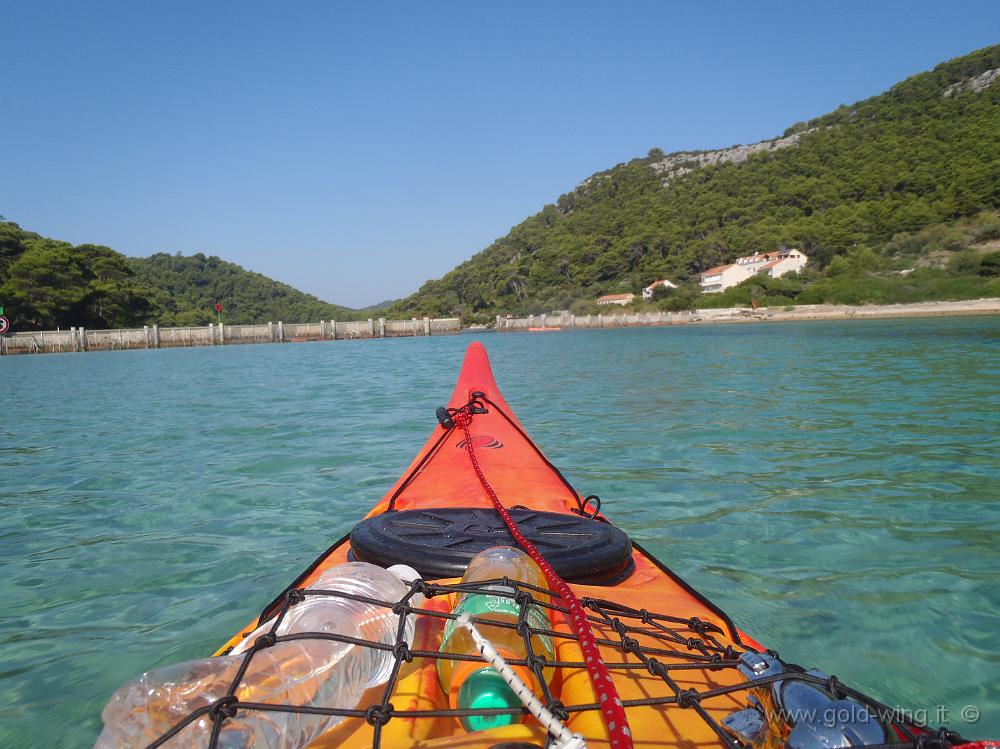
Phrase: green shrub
(682, 298)
(964, 263)
(857, 261)
(989, 264)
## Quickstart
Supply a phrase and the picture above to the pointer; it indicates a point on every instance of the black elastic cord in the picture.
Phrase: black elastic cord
(428, 456)
(447, 427)
(569, 487)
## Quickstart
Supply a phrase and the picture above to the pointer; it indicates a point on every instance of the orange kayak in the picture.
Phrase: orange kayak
(687, 676)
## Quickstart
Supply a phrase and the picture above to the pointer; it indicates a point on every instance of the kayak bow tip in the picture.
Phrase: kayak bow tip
(476, 375)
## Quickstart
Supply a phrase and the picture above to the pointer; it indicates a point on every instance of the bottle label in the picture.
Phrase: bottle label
(490, 606)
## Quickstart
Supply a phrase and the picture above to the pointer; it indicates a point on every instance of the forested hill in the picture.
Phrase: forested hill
(862, 179)
(185, 289)
(45, 284)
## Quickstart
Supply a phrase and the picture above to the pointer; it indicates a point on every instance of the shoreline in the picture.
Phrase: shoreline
(709, 316)
(78, 339)
(809, 312)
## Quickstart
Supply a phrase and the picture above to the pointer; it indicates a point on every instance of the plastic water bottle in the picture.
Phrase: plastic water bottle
(473, 684)
(310, 672)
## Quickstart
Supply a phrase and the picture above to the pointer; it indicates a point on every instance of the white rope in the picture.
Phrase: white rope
(564, 738)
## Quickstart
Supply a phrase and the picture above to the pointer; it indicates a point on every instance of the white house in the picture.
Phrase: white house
(621, 299)
(773, 264)
(647, 293)
(722, 277)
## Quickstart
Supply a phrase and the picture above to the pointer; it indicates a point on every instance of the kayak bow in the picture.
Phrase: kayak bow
(686, 676)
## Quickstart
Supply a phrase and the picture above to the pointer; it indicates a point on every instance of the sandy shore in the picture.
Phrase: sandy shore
(847, 312)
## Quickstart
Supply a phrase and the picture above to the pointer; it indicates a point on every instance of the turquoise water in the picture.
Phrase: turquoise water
(833, 486)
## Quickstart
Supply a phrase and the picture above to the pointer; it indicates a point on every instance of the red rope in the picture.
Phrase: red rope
(612, 710)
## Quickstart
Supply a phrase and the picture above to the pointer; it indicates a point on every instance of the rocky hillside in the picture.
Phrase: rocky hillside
(862, 178)
(684, 162)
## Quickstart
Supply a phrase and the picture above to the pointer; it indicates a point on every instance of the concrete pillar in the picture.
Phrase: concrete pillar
(156, 336)
(281, 332)
(222, 334)
(270, 331)
(333, 330)
(83, 339)
(543, 320)
(531, 321)
(211, 333)
(381, 327)
(371, 328)
(427, 326)
(600, 320)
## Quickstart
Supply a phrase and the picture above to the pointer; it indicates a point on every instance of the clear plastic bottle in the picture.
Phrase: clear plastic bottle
(320, 673)
(473, 684)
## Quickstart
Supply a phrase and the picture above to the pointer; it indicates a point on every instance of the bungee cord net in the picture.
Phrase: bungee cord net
(682, 680)
(685, 665)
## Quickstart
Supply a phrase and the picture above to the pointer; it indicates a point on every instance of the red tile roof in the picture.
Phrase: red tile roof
(716, 269)
(664, 281)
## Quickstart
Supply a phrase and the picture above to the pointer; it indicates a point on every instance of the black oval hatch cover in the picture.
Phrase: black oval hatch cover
(440, 542)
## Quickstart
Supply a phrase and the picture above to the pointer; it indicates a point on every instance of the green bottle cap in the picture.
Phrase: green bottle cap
(485, 689)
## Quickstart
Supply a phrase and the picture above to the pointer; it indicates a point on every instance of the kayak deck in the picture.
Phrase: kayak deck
(673, 655)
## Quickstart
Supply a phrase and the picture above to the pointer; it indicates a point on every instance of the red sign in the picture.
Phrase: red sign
(218, 306)
(4, 324)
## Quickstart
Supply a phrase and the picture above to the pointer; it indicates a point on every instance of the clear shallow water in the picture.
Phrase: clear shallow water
(832, 485)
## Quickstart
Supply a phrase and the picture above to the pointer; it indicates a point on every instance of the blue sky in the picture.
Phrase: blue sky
(355, 150)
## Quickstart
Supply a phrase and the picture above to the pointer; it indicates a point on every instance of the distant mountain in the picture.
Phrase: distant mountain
(45, 284)
(378, 308)
(862, 179)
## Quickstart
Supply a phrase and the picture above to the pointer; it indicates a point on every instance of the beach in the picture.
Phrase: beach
(851, 312)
